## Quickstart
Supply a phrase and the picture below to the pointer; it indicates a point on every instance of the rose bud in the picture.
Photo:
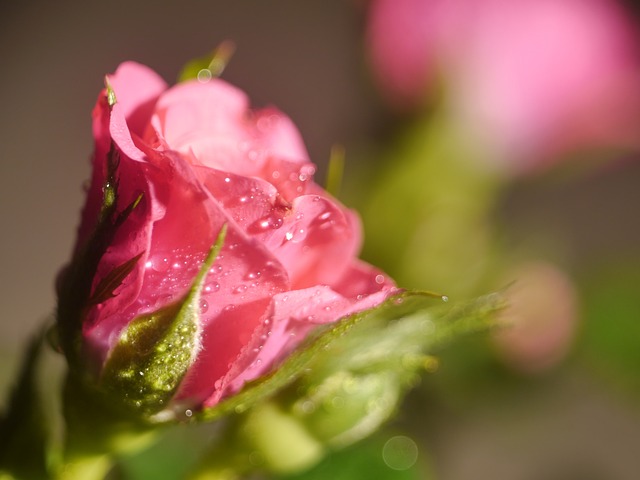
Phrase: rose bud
(205, 253)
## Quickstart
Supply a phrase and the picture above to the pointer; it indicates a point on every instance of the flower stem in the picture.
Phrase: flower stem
(85, 468)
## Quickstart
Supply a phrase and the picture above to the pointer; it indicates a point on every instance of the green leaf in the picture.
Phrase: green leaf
(209, 66)
(392, 337)
(155, 350)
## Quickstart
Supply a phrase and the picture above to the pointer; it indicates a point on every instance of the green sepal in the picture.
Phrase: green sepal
(107, 286)
(390, 339)
(209, 66)
(339, 387)
(155, 351)
(354, 386)
(111, 95)
(75, 291)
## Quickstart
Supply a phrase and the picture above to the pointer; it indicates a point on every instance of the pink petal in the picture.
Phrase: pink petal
(290, 318)
(315, 243)
(280, 136)
(137, 88)
(207, 121)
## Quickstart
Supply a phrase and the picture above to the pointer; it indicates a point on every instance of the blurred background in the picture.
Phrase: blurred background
(490, 144)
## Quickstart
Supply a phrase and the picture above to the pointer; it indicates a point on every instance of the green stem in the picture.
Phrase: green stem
(263, 439)
(427, 218)
(88, 467)
(282, 442)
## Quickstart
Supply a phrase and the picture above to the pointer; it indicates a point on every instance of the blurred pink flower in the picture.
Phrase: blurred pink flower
(526, 78)
(541, 320)
(201, 159)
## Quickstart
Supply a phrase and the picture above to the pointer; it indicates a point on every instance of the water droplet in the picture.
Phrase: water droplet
(240, 289)
(229, 308)
(204, 306)
(227, 179)
(253, 275)
(275, 174)
(445, 298)
(188, 413)
(148, 264)
(379, 279)
(308, 406)
(204, 75)
(161, 265)
(400, 453)
(271, 221)
(296, 236)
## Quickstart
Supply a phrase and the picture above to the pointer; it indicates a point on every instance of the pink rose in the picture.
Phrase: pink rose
(528, 79)
(197, 158)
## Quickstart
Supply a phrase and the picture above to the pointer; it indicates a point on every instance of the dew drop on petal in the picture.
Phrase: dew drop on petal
(204, 306)
(240, 289)
(253, 275)
(161, 265)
